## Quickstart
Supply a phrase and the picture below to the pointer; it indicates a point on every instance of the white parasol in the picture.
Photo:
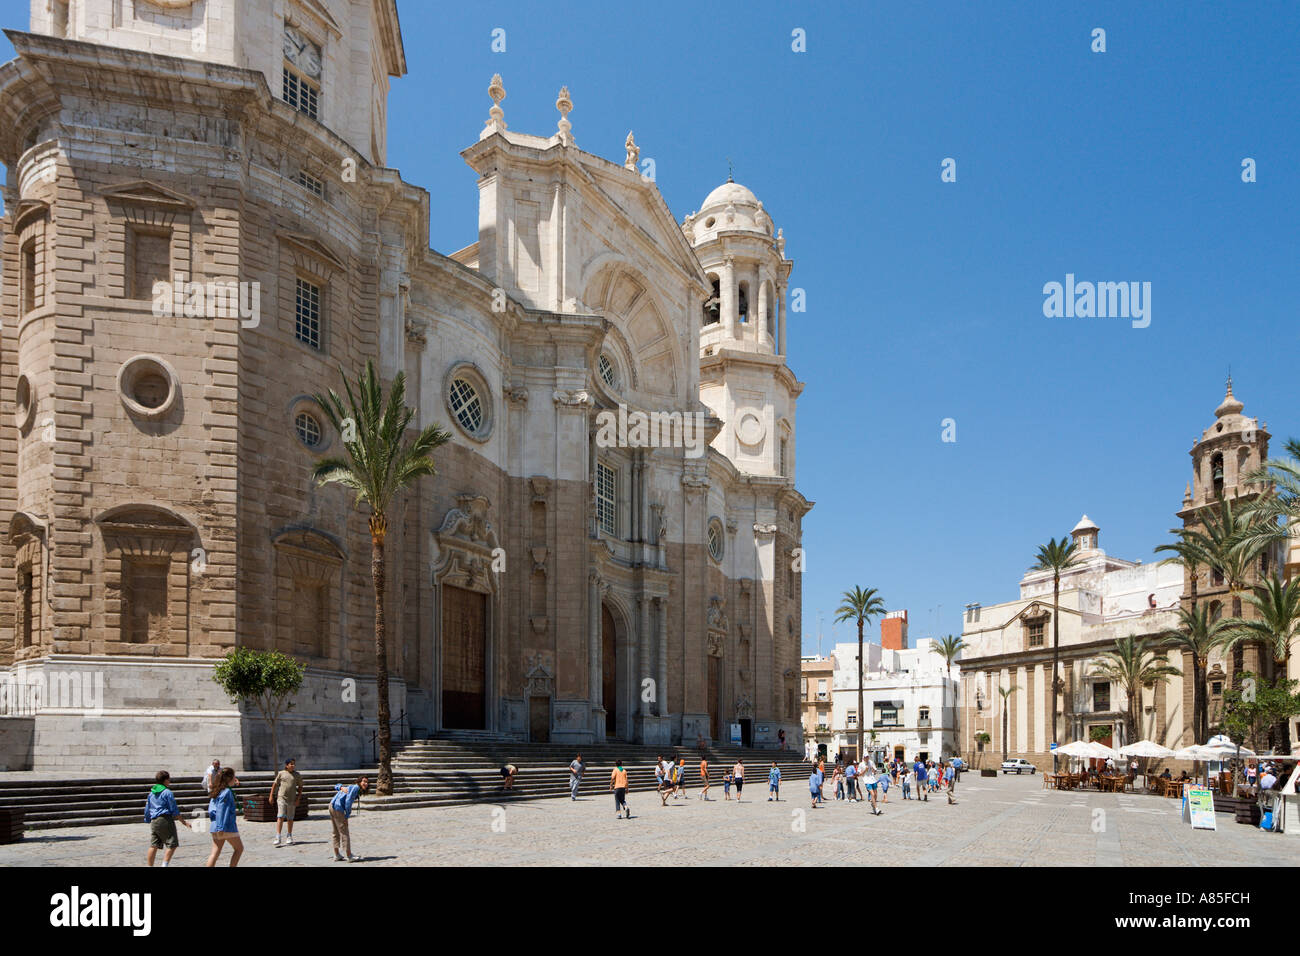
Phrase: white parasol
(1145, 748)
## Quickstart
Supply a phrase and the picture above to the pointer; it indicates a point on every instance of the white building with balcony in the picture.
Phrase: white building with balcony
(908, 701)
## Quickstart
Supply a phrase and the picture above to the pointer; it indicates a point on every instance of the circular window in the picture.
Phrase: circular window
(716, 541)
(708, 224)
(607, 372)
(466, 405)
(150, 389)
(308, 428)
(750, 430)
(147, 386)
(24, 404)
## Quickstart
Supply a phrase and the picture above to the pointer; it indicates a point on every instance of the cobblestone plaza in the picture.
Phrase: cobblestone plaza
(996, 822)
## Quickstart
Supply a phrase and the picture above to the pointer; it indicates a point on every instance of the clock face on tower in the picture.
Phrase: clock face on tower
(301, 52)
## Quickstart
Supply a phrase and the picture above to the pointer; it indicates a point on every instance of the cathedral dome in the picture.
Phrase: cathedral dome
(729, 192)
(729, 208)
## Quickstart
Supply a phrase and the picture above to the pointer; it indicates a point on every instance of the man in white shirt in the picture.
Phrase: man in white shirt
(212, 771)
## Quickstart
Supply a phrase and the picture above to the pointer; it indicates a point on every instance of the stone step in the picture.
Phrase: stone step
(426, 773)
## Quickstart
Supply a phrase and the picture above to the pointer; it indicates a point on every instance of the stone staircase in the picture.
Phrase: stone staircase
(48, 803)
(455, 770)
(426, 773)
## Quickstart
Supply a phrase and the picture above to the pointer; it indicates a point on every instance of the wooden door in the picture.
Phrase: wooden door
(714, 692)
(539, 720)
(464, 659)
(609, 671)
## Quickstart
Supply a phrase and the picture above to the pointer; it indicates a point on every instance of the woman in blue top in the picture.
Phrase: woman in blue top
(221, 811)
(815, 785)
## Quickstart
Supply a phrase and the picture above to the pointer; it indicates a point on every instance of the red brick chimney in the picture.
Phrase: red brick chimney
(893, 631)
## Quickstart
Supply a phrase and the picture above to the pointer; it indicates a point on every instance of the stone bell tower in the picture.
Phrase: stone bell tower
(1231, 448)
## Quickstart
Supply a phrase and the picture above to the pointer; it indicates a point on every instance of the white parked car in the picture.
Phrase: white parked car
(1018, 765)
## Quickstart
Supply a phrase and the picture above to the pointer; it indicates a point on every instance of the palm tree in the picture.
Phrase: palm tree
(1228, 540)
(1281, 476)
(380, 462)
(1132, 665)
(950, 648)
(1006, 693)
(862, 606)
(1198, 634)
(1275, 626)
(1056, 556)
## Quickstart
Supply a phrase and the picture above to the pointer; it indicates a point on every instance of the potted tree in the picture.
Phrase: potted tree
(268, 680)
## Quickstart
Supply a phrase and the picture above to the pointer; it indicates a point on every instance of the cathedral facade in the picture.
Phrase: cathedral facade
(200, 234)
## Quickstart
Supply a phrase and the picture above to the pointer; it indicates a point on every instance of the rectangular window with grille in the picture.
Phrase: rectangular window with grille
(306, 322)
(23, 625)
(29, 275)
(300, 93)
(1036, 634)
(1100, 696)
(310, 183)
(607, 499)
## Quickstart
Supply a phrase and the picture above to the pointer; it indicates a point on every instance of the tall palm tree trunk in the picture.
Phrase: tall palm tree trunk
(862, 718)
(1004, 730)
(385, 783)
(1056, 658)
(1201, 703)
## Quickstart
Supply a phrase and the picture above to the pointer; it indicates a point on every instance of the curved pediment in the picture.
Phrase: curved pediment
(631, 306)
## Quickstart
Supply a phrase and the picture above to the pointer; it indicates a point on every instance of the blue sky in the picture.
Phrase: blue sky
(925, 298)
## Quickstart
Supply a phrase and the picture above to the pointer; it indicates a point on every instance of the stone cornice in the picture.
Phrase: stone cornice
(717, 363)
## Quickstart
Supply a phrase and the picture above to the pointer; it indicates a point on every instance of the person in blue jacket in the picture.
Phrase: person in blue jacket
(161, 813)
(815, 785)
(221, 811)
(340, 809)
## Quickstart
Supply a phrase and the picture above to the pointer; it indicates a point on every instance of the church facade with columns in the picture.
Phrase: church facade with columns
(1006, 669)
(155, 478)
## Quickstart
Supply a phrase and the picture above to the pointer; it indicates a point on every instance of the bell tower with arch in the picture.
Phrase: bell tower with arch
(1231, 448)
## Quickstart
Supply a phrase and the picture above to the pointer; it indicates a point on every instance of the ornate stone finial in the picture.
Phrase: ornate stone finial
(760, 217)
(1187, 495)
(780, 242)
(564, 104)
(633, 152)
(496, 115)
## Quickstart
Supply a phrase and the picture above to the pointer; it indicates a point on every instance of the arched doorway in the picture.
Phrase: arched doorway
(609, 671)
(464, 659)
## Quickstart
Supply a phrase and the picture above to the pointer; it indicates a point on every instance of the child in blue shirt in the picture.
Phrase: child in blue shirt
(222, 811)
(774, 783)
(161, 813)
(345, 797)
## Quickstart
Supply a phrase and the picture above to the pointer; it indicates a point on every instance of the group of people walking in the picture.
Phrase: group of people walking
(863, 781)
(670, 782)
(162, 813)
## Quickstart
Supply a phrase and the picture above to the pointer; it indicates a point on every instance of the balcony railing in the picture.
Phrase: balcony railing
(923, 722)
(882, 723)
